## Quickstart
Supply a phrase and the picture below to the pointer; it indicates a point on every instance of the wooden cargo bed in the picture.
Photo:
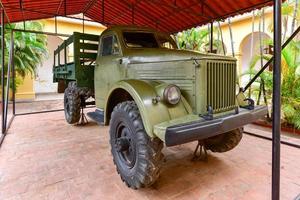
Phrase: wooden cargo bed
(74, 60)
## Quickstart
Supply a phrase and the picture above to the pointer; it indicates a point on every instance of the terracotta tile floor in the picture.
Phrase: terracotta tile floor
(42, 157)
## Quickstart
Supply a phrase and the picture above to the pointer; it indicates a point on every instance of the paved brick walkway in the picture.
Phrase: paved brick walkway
(44, 158)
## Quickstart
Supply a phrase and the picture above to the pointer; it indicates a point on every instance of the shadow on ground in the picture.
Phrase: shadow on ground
(43, 157)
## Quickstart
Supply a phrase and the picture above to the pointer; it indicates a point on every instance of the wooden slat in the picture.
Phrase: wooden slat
(88, 46)
(84, 36)
(92, 56)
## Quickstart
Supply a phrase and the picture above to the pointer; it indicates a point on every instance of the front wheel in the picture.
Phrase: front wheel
(224, 142)
(137, 156)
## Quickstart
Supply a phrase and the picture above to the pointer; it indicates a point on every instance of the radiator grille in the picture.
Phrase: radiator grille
(221, 77)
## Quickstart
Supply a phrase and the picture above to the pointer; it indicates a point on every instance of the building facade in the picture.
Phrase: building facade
(245, 44)
(42, 83)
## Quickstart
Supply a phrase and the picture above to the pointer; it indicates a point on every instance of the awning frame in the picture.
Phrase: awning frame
(276, 129)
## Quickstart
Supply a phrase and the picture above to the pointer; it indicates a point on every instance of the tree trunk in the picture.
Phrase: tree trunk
(294, 16)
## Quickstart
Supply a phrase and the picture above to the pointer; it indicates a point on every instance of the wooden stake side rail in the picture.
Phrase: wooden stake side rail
(81, 68)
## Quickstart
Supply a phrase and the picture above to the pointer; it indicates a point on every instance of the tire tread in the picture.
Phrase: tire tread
(149, 153)
(74, 104)
(228, 142)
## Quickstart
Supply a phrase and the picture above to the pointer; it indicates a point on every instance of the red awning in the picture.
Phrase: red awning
(165, 15)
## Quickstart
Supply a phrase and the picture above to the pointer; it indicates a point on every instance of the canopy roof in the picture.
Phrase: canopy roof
(165, 15)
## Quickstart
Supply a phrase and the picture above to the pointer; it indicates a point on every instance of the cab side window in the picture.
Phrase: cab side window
(116, 49)
(110, 46)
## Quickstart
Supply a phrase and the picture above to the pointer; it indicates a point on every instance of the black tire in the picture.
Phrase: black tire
(72, 104)
(137, 157)
(224, 142)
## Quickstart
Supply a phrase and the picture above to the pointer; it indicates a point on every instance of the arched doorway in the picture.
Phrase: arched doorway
(247, 55)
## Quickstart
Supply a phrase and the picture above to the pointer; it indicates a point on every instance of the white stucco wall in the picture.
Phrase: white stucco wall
(246, 54)
(43, 81)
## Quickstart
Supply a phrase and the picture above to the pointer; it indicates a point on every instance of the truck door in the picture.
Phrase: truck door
(107, 67)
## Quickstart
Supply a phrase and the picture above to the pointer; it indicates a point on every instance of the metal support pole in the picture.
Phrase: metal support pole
(276, 102)
(2, 69)
(65, 56)
(13, 75)
(211, 42)
(10, 62)
(262, 89)
(55, 24)
(83, 23)
(222, 40)
(39, 32)
(103, 10)
(261, 59)
(83, 39)
(231, 37)
(65, 8)
(132, 14)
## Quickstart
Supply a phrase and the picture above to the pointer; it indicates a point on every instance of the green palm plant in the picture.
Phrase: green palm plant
(30, 49)
(290, 82)
(198, 40)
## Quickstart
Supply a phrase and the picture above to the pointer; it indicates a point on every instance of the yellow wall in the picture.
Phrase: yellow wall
(67, 27)
(241, 26)
(25, 90)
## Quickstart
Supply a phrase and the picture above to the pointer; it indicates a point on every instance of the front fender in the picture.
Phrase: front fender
(143, 93)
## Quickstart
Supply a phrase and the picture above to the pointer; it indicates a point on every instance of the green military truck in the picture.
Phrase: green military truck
(151, 94)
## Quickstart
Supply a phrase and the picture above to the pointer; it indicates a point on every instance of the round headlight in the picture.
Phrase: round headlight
(172, 94)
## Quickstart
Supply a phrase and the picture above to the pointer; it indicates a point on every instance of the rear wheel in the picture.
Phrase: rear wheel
(72, 103)
(137, 156)
(224, 142)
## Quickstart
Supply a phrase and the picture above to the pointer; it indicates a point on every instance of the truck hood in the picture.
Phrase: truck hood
(169, 55)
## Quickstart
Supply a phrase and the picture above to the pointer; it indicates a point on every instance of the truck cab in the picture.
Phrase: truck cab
(116, 46)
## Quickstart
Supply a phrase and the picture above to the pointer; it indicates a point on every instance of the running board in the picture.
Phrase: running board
(97, 116)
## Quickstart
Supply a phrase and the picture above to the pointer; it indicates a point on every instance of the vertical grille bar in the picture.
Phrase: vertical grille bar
(209, 82)
(234, 83)
(229, 83)
(224, 78)
(227, 86)
(220, 85)
(221, 78)
(215, 86)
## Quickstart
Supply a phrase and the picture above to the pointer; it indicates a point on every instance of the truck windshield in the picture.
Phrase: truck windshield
(140, 40)
(166, 41)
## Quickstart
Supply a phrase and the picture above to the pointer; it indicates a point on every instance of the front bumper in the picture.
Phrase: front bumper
(202, 129)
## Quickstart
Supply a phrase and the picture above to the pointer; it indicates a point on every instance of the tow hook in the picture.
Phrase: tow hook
(209, 115)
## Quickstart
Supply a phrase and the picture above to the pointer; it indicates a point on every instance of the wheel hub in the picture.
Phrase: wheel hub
(122, 144)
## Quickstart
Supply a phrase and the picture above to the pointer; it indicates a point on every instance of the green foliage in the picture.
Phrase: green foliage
(290, 69)
(30, 49)
(198, 40)
(290, 82)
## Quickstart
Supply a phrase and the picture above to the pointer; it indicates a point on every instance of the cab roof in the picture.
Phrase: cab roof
(130, 28)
